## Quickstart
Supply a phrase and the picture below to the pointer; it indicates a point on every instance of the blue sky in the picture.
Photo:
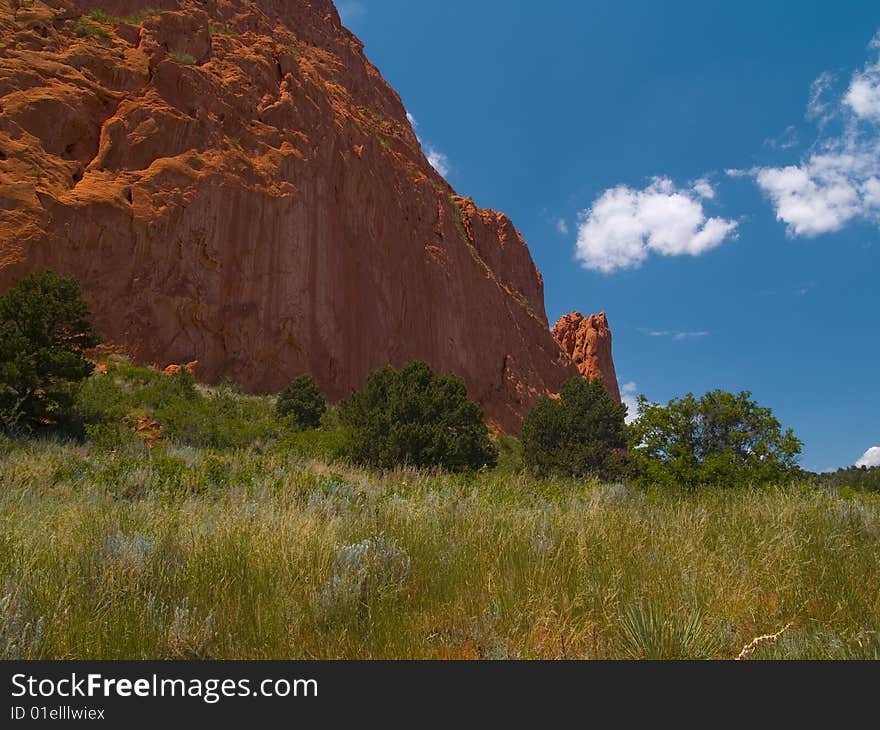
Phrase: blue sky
(707, 173)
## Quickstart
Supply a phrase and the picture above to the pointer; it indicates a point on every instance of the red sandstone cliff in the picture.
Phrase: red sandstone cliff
(587, 341)
(233, 182)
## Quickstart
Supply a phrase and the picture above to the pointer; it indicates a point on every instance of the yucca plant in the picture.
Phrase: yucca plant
(646, 632)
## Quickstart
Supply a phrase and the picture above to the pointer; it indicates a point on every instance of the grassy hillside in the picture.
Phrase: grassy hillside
(233, 537)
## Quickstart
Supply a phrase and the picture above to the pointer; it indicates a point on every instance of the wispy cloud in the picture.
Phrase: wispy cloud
(625, 225)
(805, 289)
(820, 108)
(676, 335)
(785, 141)
(351, 10)
(437, 159)
(562, 226)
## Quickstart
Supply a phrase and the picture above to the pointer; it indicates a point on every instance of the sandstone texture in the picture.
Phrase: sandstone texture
(587, 341)
(233, 182)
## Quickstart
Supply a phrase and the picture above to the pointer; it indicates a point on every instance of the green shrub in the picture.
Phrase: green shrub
(167, 471)
(301, 403)
(510, 454)
(647, 633)
(136, 18)
(323, 444)
(718, 439)
(99, 16)
(412, 417)
(84, 29)
(217, 29)
(44, 329)
(364, 573)
(184, 58)
(222, 418)
(583, 433)
(109, 436)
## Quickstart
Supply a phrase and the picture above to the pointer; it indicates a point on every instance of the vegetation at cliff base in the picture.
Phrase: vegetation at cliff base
(163, 518)
(193, 522)
(582, 433)
(302, 403)
(44, 331)
(412, 417)
(716, 440)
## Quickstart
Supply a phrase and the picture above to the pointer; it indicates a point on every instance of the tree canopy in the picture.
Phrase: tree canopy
(416, 418)
(582, 433)
(302, 403)
(44, 330)
(717, 439)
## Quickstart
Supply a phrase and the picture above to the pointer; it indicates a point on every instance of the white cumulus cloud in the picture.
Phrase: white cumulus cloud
(863, 95)
(870, 459)
(625, 225)
(703, 188)
(629, 394)
(839, 181)
(827, 190)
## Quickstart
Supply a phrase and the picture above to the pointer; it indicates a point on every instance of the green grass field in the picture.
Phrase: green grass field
(262, 552)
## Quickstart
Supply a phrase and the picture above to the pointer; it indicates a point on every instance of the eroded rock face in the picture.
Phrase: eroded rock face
(233, 182)
(587, 341)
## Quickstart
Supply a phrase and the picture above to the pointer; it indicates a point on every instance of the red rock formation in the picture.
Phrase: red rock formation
(175, 369)
(587, 341)
(233, 182)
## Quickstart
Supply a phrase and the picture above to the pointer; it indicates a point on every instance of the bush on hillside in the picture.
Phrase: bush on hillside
(44, 330)
(582, 433)
(302, 403)
(718, 439)
(412, 417)
(220, 418)
(223, 418)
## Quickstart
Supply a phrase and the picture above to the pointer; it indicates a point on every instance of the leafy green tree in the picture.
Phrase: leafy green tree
(415, 418)
(302, 403)
(44, 329)
(582, 433)
(718, 439)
